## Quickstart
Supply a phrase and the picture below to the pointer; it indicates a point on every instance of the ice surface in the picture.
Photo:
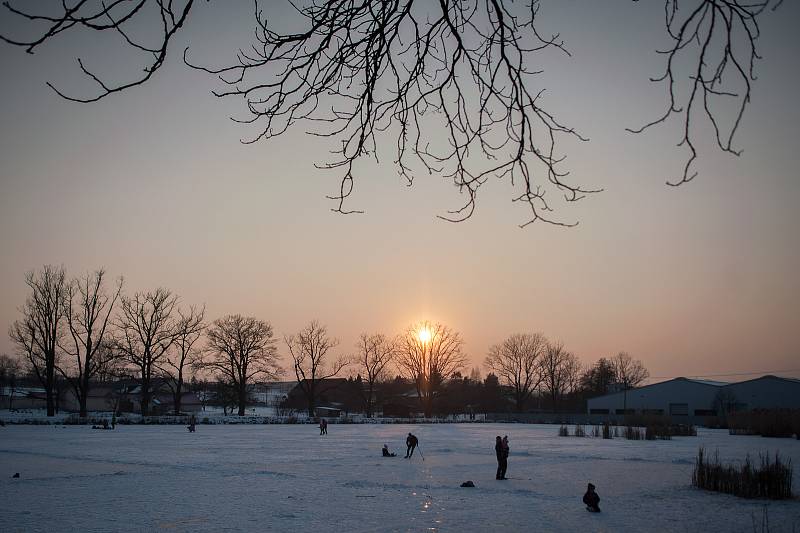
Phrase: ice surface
(288, 478)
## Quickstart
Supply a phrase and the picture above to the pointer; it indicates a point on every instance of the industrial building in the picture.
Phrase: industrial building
(693, 398)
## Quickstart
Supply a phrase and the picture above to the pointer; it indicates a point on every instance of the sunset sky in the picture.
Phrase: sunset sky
(154, 185)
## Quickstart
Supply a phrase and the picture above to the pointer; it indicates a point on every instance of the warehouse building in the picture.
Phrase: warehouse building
(691, 399)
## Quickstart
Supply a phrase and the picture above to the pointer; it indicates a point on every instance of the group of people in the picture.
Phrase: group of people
(501, 449)
(411, 444)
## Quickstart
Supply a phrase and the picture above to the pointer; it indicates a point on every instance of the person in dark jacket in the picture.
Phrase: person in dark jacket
(498, 451)
(591, 499)
(501, 450)
(411, 443)
(386, 452)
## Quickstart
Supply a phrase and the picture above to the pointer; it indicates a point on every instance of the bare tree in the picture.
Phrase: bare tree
(239, 349)
(309, 349)
(183, 356)
(428, 354)
(629, 373)
(412, 70)
(517, 361)
(38, 333)
(560, 370)
(717, 38)
(374, 354)
(147, 329)
(88, 311)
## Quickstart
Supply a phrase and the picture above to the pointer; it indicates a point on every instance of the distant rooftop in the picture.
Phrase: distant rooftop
(708, 382)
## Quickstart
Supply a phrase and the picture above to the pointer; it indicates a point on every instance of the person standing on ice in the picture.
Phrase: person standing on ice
(324, 427)
(591, 499)
(503, 458)
(498, 450)
(411, 443)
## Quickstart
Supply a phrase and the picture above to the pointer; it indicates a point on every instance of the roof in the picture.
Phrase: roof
(769, 376)
(707, 382)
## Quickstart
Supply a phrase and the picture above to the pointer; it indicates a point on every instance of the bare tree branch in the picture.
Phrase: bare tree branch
(718, 38)
(517, 361)
(112, 16)
(183, 356)
(38, 333)
(88, 312)
(374, 354)
(240, 349)
(428, 354)
(147, 330)
(309, 352)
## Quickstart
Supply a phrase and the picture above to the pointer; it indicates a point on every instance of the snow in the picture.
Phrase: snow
(287, 477)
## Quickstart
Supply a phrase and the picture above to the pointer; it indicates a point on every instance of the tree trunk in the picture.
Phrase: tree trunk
(176, 400)
(83, 395)
(48, 390)
(242, 398)
(369, 402)
(427, 406)
(145, 400)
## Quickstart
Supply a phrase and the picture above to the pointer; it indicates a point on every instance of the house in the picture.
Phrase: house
(101, 397)
(271, 393)
(336, 393)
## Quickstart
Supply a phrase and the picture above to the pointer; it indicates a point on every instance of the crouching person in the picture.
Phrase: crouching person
(591, 499)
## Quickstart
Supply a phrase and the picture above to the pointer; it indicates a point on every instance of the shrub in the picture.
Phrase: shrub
(579, 431)
(766, 422)
(770, 479)
(634, 433)
(563, 431)
(595, 431)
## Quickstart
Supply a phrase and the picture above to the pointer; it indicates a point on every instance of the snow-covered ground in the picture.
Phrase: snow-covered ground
(288, 478)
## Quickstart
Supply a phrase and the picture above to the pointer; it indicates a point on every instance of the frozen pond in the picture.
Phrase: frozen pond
(288, 478)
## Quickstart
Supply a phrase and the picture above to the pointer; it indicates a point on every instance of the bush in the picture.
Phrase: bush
(780, 423)
(595, 431)
(634, 433)
(579, 431)
(563, 431)
(770, 479)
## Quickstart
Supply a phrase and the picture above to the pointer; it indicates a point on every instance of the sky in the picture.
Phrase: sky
(154, 185)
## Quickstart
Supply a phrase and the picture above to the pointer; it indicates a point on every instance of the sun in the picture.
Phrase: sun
(424, 334)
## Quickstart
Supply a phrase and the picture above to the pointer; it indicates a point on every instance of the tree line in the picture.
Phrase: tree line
(85, 328)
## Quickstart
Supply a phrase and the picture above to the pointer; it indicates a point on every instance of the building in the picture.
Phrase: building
(271, 393)
(693, 399)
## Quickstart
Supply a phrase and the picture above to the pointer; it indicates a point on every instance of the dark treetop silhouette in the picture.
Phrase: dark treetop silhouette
(413, 70)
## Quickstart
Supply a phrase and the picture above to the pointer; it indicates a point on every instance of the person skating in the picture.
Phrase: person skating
(324, 427)
(192, 423)
(411, 443)
(386, 452)
(591, 499)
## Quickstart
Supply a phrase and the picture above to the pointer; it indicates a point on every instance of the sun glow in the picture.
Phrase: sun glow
(424, 335)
